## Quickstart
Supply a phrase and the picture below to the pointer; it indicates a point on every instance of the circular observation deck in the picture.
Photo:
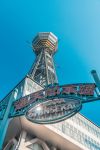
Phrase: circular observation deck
(45, 40)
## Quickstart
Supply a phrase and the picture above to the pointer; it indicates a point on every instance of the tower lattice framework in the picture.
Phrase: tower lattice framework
(43, 70)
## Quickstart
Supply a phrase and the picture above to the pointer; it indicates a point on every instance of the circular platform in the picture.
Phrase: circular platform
(45, 40)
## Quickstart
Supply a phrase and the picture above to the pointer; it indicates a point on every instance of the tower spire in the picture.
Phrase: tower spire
(43, 70)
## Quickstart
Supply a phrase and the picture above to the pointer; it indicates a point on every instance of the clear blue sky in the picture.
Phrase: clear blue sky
(77, 25)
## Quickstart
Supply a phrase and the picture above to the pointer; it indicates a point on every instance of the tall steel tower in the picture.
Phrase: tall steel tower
(43, 70)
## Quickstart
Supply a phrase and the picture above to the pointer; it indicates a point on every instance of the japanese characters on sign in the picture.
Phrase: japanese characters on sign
(56, 91)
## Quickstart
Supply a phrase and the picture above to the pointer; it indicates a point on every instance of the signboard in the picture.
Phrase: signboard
(53, 110)
(79, 90)
(54, 103)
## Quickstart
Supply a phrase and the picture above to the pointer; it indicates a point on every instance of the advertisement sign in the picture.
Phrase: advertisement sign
(79, 90)
(54, 103)
(53, 110)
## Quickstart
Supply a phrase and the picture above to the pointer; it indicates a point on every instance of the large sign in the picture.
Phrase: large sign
(79, 90)
(53, 110)
(54, 103)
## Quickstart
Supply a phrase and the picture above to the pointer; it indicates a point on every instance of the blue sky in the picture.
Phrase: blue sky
(76, 23)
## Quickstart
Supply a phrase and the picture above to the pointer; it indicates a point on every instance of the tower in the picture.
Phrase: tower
(43, 70)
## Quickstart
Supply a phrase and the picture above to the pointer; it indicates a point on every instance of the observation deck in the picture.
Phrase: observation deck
(45, 41)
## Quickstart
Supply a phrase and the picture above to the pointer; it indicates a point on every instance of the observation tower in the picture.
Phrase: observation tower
(43, 70)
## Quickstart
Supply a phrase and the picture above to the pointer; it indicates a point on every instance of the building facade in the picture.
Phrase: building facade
(75, 133)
